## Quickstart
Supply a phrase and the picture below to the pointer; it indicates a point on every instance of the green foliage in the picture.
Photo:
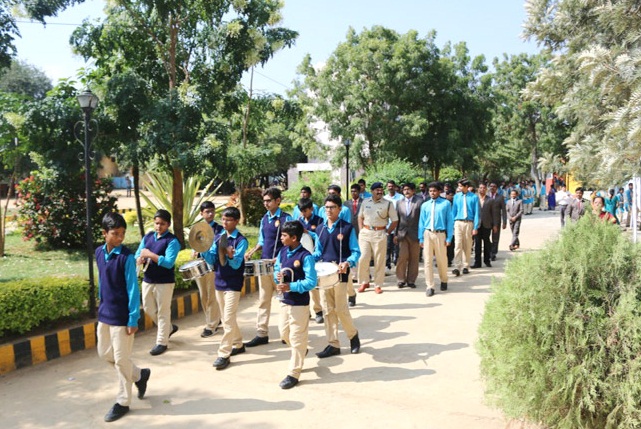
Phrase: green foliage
(52, 210)
(24, 79)
(396, 170)
(560, 340)
(160, 186)
(26, 304)
(449, 174)
(252, 200)
(317, 181)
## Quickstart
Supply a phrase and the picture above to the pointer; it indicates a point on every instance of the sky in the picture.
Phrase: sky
(489, 27)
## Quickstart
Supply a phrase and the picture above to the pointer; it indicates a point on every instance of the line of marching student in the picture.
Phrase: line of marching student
(360, 237)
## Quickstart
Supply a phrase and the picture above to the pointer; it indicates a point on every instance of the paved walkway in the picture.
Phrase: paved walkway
(418, 368)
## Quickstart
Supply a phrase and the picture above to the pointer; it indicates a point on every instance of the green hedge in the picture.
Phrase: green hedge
(560, 339)
(26, 304)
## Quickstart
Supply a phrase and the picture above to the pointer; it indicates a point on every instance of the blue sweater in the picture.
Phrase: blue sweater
(117, 287)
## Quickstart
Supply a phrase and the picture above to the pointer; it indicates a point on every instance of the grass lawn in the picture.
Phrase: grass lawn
(23, 261)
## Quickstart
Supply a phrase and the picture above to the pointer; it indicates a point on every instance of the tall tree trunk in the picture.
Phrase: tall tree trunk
(135, 171)
(177, 205)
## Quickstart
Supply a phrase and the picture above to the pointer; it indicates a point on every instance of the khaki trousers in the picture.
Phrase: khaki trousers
(266, 287)
(115, 346)
(228, 307)
(208, 300)
(463, 244)
(372, 243)
(409, 252)
(315, 297)
(293, 326)
(434, 246)
(156, 299)
(335, 309)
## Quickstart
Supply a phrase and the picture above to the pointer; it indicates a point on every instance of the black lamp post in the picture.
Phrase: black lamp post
(424, 159)
(347, 143)
(88, 102)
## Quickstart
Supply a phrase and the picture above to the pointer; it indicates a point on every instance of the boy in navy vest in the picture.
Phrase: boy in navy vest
(206, 282)
(268, 241)
(157, 252)
(230, 278)
(337, 243)
(310, 222)
(296, 276)
(118, 312)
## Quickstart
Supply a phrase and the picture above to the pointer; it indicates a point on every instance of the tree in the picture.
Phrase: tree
(594, 82)
(192, 53)
(24, 79)
(523, 129)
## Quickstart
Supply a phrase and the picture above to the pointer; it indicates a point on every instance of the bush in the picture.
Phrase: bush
(318, 181)
(26, 304)
(53, 210)
(253, 205)
(131, 218)
(397, 170)
(560, 340)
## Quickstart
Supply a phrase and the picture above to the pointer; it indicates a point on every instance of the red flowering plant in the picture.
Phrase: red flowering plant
(52, 210)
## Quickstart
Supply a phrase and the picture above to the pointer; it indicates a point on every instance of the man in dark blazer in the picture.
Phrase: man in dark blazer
(499, 199)
(577, 206)
(514, 208)
(409, 212)
(490, 222)
(354, 206)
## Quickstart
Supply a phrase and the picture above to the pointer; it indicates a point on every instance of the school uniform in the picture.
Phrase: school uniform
(337, 243)
(207, 291)
(294, 306)
(159, 280)
(119, 308)
(230, 278)
(465, 210)
(269, 239)
(435, 229)
(310, 226)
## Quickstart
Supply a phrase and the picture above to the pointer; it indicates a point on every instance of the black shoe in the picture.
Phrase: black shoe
(493, 258)
(429, 292)
(351, 301)
(401, 285)
(257, 341)
(174, 329)
(488, 264)
(116, 412)
(411, 285)
(141, 384)
(354, 344)
(288, 382)
(207, 333)
(456, 272)
(319, 317)
(158, 350)
(466, 271)
(475, 266)
(237, 350)
(443, 286)
(221, 363)
(329, 351)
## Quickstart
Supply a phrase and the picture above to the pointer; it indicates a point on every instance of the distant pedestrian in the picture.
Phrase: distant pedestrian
(514, 209)
(128, 185)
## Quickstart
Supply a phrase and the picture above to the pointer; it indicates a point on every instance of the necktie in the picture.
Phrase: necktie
(432, 215)
(465, 206)
(407, 203)
(355, 205)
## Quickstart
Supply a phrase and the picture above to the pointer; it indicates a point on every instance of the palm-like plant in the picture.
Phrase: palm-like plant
(160, 185)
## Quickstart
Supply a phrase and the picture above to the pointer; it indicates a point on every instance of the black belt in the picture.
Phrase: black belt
(436, 231)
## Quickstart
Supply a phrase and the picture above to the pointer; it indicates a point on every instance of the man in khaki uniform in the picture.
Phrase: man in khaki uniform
(373, 219)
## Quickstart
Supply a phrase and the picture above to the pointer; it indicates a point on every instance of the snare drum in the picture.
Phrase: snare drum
(260, 267)
(194, 269)
(327, 274)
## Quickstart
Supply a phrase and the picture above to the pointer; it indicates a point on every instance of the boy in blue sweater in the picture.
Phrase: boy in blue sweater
(296, 275)
(118, 312)
(229, 281)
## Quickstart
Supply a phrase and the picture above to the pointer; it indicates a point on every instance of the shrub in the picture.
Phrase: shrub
(253, 206)
(560, 340)
(318, 181)
(397, 170)
(53, 210)
(26, 304)
(131, 218)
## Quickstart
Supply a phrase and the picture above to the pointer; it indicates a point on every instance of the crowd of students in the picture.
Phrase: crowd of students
(361, 237)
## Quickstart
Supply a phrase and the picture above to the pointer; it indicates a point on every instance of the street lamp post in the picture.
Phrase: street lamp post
(88, 102)
(347, 143)
(424, 159)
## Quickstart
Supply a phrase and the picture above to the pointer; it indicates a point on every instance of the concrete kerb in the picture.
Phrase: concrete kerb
(42, 348)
